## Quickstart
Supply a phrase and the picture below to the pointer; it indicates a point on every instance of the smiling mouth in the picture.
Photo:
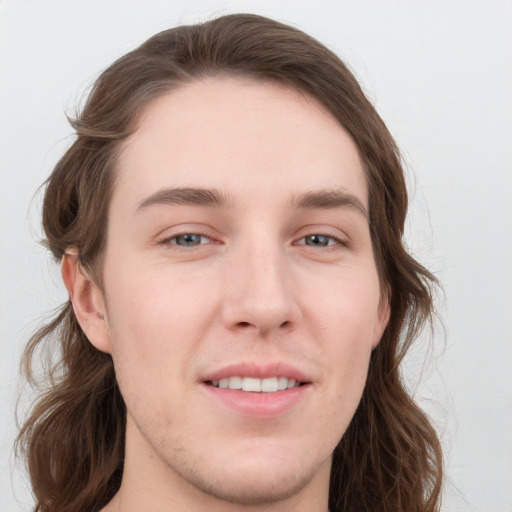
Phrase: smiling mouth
(255, 385)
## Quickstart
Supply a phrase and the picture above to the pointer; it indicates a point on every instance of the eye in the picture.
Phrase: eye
(187, 240)
(317, 240)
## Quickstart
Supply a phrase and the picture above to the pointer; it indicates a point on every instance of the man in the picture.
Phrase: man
(229, 222)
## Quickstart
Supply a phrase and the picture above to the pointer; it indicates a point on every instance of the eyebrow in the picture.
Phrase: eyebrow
(213, 198)
(327, 199)
(186, 196)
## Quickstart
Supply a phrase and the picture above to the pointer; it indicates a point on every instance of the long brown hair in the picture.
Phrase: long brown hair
(389, 460)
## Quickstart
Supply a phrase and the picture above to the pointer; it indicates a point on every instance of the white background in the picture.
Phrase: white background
(440, 74)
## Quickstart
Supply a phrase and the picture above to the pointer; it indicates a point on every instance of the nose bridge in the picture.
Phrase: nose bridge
(261, 292)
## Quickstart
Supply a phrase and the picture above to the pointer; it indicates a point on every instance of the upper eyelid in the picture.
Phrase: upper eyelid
(185, 229)
(328, 231)
(200, 235)
(339, 240)
(325, 235)
(212, 234)
(167, 239)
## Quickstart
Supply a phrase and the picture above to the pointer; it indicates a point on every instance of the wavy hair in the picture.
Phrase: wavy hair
(389, 459)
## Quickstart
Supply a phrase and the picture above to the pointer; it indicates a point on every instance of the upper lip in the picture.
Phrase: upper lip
(260, 371)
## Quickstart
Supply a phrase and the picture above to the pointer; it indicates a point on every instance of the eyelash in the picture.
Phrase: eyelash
(336, 246)
(169, 240)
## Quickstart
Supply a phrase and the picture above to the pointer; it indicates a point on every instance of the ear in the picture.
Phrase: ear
(88, 302)
(383, 314)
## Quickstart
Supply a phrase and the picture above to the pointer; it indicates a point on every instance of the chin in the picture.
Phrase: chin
(253, 477)
(252, 487)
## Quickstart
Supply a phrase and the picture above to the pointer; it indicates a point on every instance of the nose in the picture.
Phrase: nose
(259, 292)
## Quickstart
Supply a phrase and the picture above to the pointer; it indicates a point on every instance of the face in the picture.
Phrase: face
(241, 292)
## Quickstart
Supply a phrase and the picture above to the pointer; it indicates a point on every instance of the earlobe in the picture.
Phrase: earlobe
(87, 300)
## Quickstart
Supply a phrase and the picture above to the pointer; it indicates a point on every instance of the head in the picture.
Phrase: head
(137, 138)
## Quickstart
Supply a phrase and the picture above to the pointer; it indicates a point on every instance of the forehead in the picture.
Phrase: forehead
(242, 136)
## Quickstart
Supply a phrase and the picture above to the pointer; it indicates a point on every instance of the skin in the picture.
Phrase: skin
(265, 281)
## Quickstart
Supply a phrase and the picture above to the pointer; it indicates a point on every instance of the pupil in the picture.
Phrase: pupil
(189, 239)
(317, 240)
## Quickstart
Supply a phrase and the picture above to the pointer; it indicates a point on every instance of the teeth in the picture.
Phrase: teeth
(269, 385)
(253, 384)
(282, 383)
(235, 383)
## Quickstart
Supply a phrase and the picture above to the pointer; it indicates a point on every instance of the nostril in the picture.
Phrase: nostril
(263, 330)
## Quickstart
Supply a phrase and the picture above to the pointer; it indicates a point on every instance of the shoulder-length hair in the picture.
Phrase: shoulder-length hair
(389, 459)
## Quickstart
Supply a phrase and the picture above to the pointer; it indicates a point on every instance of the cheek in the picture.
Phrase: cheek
(151, 338)
(152, 323)
(346, 311)
(154, 305)
(346, 363)
(346, 319)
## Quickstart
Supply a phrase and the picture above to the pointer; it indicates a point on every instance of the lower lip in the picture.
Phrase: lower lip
(258, 405)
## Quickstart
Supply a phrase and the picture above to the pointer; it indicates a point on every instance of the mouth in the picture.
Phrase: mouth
(256, 385)
(258, 391)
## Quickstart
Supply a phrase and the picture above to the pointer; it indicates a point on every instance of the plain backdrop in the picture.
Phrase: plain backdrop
(439, 73)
